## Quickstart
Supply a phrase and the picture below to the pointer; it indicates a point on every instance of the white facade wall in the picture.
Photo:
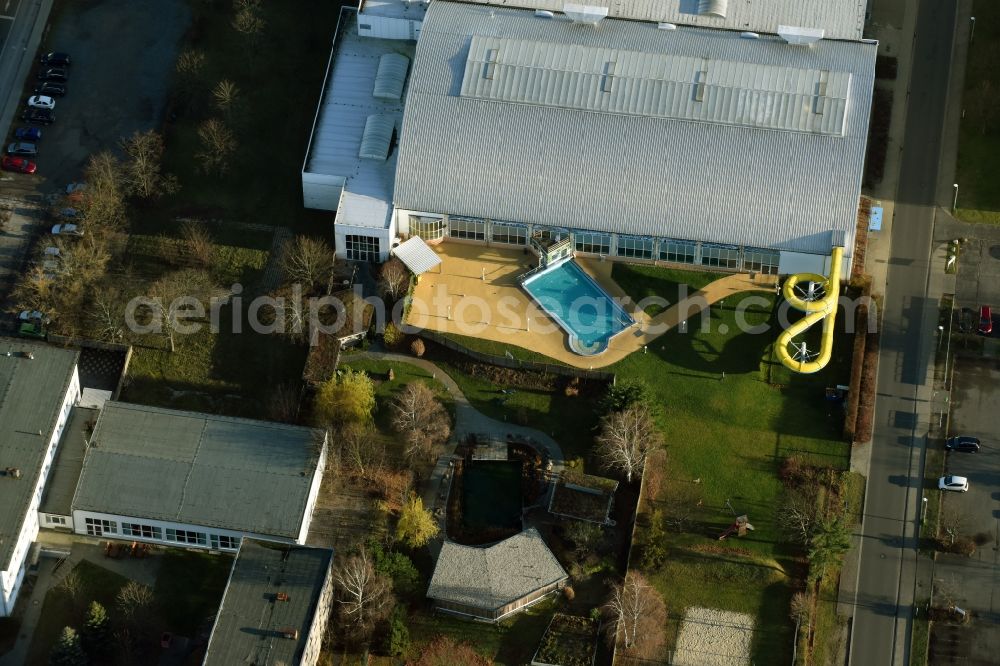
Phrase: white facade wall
(314, 642)
(55, 521)
(321, 191)
(13, 576)
(80, 527)
(317, 481)
(388, 27)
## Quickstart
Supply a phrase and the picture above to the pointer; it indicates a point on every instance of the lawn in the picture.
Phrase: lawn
(279, 82)
(58, 610)
(641, 281)
(979, 135)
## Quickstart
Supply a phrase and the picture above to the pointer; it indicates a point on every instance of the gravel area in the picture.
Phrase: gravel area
(714, 638)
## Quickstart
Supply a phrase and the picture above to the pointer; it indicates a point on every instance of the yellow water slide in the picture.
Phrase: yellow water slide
(817, 297)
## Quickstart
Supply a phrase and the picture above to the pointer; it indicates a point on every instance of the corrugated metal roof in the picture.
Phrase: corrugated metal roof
(628, 173)
(841, 19)
(391, 76)
(31, 393)
(417, 256)
(248, 627)
(199, 469)
(490, 578)
(658, 85)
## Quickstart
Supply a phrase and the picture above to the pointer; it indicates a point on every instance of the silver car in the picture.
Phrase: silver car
(22, 148)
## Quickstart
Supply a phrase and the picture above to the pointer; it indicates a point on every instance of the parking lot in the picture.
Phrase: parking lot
(973, 583)
(123, 54)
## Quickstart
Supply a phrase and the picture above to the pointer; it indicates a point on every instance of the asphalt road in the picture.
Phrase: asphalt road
(882, 620)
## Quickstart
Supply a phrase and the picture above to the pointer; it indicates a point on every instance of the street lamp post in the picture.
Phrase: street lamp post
(923, 510)
(940, 337)
(972, 33)
(954, 200)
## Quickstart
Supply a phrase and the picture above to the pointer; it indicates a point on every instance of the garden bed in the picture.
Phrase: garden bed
(570, 640)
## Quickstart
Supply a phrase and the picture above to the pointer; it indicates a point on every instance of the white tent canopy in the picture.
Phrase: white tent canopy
(417, 255)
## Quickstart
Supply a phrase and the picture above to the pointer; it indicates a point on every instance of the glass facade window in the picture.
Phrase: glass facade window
(635, 247)
(459, 227)
(428, 228)
(362, 248)
(142, 531)
(512, 234)
(761, 260)
(592, 243)
(680, 252)
(720, 256)
(57, 520)
(185, 536)
(99, 527)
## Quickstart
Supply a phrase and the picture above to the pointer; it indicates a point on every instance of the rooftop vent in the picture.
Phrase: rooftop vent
(281, 596)
(544, 13)
(289, 632)
(588, 14)
(750, 35)
(663, 25)
(799, 36)
(715, 8)
(12, 472)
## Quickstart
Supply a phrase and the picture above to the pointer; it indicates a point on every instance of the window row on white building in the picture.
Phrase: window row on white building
(101, 527)
(679, 251)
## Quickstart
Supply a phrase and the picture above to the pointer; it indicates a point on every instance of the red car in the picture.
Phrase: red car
(18, 164)
(985, 320)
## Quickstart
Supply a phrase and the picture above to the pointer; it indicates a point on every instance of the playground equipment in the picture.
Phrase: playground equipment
(740, 527)
(817, 297)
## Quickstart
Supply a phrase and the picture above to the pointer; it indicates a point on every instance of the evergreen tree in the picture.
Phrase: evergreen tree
(96, 632)
(67, 651)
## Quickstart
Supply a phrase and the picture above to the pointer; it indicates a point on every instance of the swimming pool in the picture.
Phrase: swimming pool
(585, 311)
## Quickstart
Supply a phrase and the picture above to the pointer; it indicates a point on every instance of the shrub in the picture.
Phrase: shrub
(417, 347)
(866, 407)
(857, 370)
(392, 336)
(397, 638)
(398, 567)
(960, 546)
(569, 593)
(793, 471)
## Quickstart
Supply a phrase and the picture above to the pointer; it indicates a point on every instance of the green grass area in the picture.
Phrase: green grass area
(979, 134)
(921, 635)
(641, 282)
(189, 588)
(272, 119)
(239, 255)
(500, 349)
(58, 610)
(225, 373)
(512, 642)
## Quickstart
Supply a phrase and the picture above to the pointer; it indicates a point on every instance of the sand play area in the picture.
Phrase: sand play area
(714, 638)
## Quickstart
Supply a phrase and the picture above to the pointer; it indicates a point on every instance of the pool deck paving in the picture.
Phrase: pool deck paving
(475, 292)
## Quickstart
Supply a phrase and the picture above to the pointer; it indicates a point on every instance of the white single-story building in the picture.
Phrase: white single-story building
(39, 385)
(196, 480)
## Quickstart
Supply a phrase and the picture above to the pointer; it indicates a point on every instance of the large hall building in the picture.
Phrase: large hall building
(729, 135)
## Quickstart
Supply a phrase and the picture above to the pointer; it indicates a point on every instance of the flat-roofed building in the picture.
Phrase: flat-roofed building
(197, 480)
(39, 385)
(275, 606)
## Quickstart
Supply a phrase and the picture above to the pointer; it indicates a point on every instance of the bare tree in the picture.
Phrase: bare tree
(248, 21)
(362, 452)
(307, 261)
(283, 404)
(133, 600)
(365, 597)
(104, 201)
(420, 418)
(681, 502)
(226, 96)
(198, 244)
(797, 514)
(393, 279)
(638, 616)
(626, 439)
(106, 313)
(801, 608)
(72, 587)
(954, 523)
(174, 292)
(190, 63)
(142, 174)
(218, 143)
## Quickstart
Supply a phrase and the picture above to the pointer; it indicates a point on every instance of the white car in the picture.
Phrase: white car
(66, 230)
(41, 102)
(958, 484)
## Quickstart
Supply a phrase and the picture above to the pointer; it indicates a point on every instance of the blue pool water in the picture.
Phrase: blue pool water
(582, 308)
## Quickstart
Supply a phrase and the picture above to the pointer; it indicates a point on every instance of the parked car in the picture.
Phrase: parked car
(66, 230)
(53, 74)
(41, 102)
(985, 320)
(32, 330)
(51, 88)
(28, 134)
(18, 164)
(22, 148)
(958, 484)
(38, 116)
(55, 59)
(33, 315)
(967, 444)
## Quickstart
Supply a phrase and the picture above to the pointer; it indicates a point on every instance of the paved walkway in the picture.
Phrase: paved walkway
(477, 293)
